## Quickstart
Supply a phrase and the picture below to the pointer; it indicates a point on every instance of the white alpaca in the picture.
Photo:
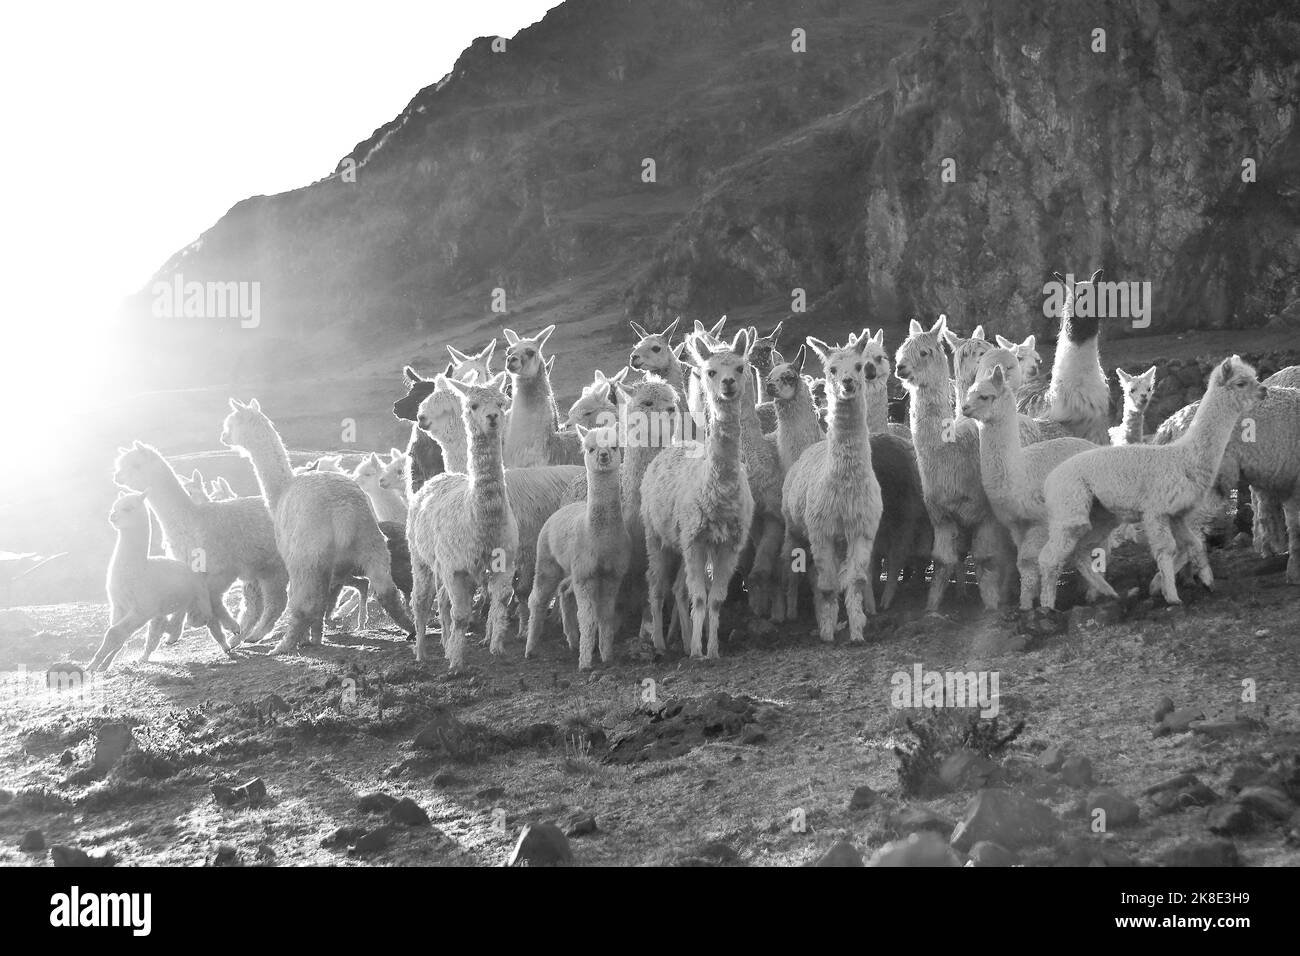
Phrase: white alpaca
(196, 487)
(798, 423)
(587, 544)
(876, 366)
(532, 435)
(463, 365)
(832, 498)
(966, 355)
(1137, 396)
(396, 473)
(696, 399)
(387, 502)
(1158, 485)
(1012, 477)
(221, 490)
(655, 355)
(1027, 358)
(698, 506)
(595, 407)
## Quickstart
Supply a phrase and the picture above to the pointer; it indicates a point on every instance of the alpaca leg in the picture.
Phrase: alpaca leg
(363, 603)
(117, 635)
(1030, 545)
(607, 616)
(309, 587)
(681, 611)
(656, 575)
(826, 600)
(859, 597)
(945, 560)
(546, 579)
(766, 563)
(500, 589)
(895, 559)
(157, 627)
(274, 591)
(1160, 538)
(460, 589)
(695, 567)
(724, 567)
(790, 577)
(173, 626)
(424, 589)
(569, 617)
(526, 563)
(1192, 545)
(584, 594)
(993, 556)
(1061, 542)
(250, 608)
(1291, 509)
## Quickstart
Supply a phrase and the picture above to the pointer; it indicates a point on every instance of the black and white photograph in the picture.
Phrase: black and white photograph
(653, 433)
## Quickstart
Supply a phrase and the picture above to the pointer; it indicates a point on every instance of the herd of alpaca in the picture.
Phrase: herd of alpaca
(706, 465)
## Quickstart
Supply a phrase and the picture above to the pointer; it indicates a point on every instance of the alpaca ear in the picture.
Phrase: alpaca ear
(450, 370)
(879, 337)
(623, 394)
(743, 341)
(621, 375)
(776, 332)
(1123, 376)
(1150, 374)
(915, 328)
(1030, 343)
(1095, 276)
(821, 348)
(1058, 277)
(860, 345)
(939, 326)
(543, 335)
(455, 387)
(498, 380)
(978, 333)
(252, 403)
(1225, 370)
(137, 444)
(393, 455)
(234, 405)
(196, 476)
(121, 450)
(640, 332)
(411, 374)
(486, 355)
(717, 328)
(799, 356)
(692, 344)
(953, 340)
(582, 432)
(549, 364)
(1004, 342)
(667, 333)
(511, 337)
(374, 459)
(459, 357)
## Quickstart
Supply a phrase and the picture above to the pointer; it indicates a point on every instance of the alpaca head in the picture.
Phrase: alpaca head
(393, 477)
(483, 407)
(920, 361)
(722, 368)
(139, 467)
(463, 363)
(1137, 388)
(441, 414)
(417, 389)
(595, 401)
(763, 349)
(129, 511)
(844, 365)
(1234, 380)
(1078, 329)
(1006, 360)
(784, 381)
(1026, 353)
(875, 360)
(987, 398)
(651, 402)
(196, 487)
(524, 357)
(221, 490)
(600, 448)
(245, 426)
(966, 353)
(653, 351)
(368, 471)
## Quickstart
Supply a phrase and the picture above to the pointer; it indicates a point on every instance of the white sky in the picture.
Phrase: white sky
(128, 127)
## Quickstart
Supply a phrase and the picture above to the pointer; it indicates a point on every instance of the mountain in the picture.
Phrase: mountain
(521, 173)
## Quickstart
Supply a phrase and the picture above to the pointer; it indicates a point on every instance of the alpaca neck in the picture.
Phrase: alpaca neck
(723, 441)
(132, 550)
(1002, 459)
(1208, 437)
(455, 450)
(388, 504)
(271, 463)
(170, 499)
(603, 507)
(931, 412)
(849, 441)
(487, 477)
(877, 402)
(1133, 424)
(797, 424)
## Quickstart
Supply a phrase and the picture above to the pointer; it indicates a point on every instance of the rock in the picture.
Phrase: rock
(1120, 810)
(373, 841)
(73, 856)
(842, 853)
(445, 778)
(713, 853)
(251, 794)
(541, 844)
(111, 741)
(1269, 802)
(1052, 758)
(1202, 853)
(752, 734)
(918, 849)
(538, 733)
(1178, 721)
(66, 758)
(376, 803)
(226, 855)
(985, 853)
(1230, 819)
(1246, 774)
(1085, 617)
(491, 793)
(406, 811)
(863, 797)
(1220, 729)
(921, 819)
(33, 841)
(343, 836)
(966, 770)
(1179, 793)
(443, 734)
(1006, 818)
(1164, 708)
(580, 824)
(1077, 771)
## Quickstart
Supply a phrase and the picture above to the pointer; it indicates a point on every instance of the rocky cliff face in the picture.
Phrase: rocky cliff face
(522, 171)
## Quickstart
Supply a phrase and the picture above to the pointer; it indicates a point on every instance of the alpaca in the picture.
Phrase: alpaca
(532, 435)
(1077, 395)
(763, 356)
(1027, 357)
(765, 474)
(595, 402)
(797, 422)
(587, 544)
(1032, 430)
(324, 528)
(422, 451)
(948, 459)
(196, 487)
(696, 400)
(226, 539)
(966, 354)
(876, 367)
(462, 531)
(462, 364)
(1137, 395)
(832, 497)
(654, 355)
(1288, 377)
(1013, 475)
(396, 473)
(221, 490)
(1159, 485)
(387, 502)
(145, 590)
(698, 506)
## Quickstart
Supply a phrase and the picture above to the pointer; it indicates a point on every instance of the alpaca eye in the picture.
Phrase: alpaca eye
(647, 403)
(473, 408)
(712, 373)
(858, 367)
(925, 353)
(656, 348)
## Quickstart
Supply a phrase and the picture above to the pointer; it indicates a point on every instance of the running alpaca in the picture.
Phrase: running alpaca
(1013, 477)
(233, 539)
(1077, 395)
(396, 474)
(532, 431)
(876, 366)
(144, 590)
(387, 502)
(798, 424)
(1137, 395)
(587, 544)
(948, 458)
(1159, 485)
(462, 531)
(595, 402)
(698, 507)
(832, 498)
(325, 528)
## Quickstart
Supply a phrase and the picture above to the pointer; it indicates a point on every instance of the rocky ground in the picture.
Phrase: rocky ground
(1181, 724)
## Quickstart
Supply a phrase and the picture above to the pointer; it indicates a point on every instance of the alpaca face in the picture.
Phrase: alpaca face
(1006, 360)
(600, 449)
(243, 425)
(588, 409)
(763, 349)
(1237, 379)
(129, 511)
(1026, 353)
(483, 407)
(393, 477)
(1137, 388)
(845, 367)
(464, 364)
(195, 488)
(417, 390)
(524, 356)
(653, 351)
(785, 380)
(920, 361)
(983, 399)
(966, 353)
(875, 359)
(440, 413)
(137, 467)
(723, 368)
(368, 471)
